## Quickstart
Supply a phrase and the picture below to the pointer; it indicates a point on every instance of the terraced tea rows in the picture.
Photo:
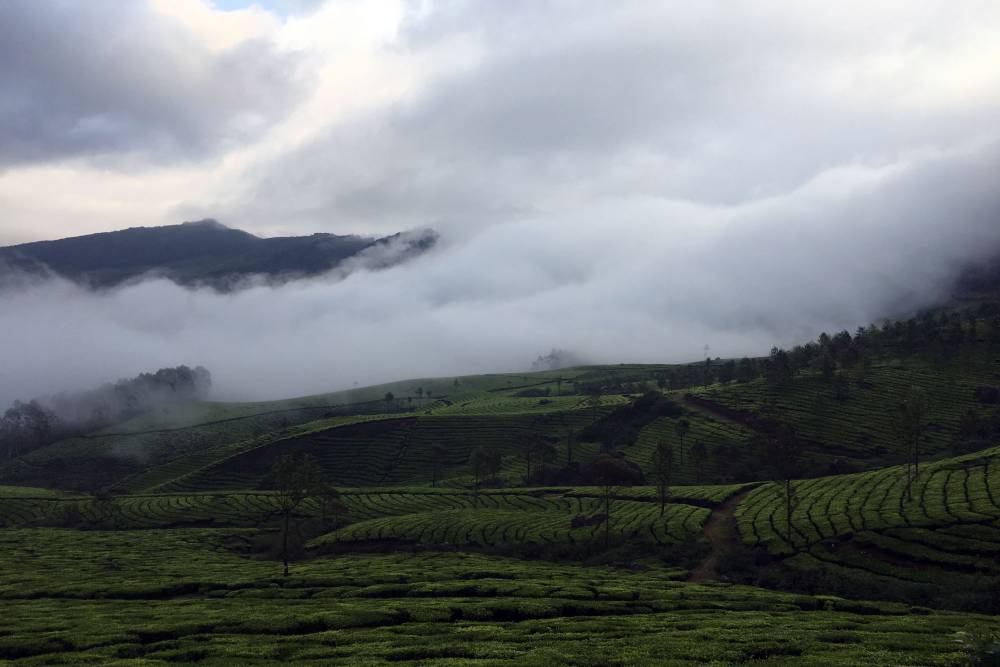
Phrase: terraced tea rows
(860, 427)
(712, 434)
(484, 526)
(184, 596)
(398, 451)
(252, 508)
(498, 404)
(948, 534)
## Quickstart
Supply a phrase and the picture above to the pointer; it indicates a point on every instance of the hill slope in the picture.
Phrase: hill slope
(204, 252)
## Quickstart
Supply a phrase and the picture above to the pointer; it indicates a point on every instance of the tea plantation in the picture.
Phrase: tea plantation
(631, 514)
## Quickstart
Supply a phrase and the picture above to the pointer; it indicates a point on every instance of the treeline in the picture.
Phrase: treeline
(938, 335)
(29, 425)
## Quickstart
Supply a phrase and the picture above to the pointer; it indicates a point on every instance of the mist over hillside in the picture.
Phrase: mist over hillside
(656, 281)
(625, 184)
(668, 324)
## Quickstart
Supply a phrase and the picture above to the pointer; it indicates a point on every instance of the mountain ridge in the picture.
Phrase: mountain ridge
(205, 253)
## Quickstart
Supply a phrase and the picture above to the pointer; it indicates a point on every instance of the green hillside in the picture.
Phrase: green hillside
(642, 504)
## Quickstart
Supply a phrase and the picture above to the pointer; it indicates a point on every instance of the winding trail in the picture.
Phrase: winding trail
(722, 535)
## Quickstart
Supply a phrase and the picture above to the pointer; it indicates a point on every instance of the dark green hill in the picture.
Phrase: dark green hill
(204, 252)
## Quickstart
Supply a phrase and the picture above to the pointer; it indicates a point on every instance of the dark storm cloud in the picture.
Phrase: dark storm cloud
(100, 78)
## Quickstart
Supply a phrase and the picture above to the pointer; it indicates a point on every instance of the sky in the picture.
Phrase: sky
(630, 181)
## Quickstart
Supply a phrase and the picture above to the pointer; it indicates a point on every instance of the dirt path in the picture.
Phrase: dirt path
(722, 535)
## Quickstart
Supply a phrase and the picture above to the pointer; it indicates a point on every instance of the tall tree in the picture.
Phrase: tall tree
(663, 461)
(782, 452)
(699, 453)
(569, 446)
(910, 422)
(594, 393)
(479, 462)
(331, 506)
(494, 463)
(682, 426)
(609, 472)
(778, 369)
(389, 399)
(438, 452)
(527, 446)
(295, 479)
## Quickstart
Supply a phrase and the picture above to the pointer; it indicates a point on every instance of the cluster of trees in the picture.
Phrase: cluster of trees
(621, 427)
(938, 334)
(395, 403)
(485, 463)
(32, 424)
(976, 430)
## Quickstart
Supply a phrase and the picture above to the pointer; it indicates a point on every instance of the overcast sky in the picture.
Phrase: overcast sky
(631, 179)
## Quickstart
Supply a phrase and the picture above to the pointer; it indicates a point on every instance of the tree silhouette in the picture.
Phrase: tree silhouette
(295, 479)
(609, 472)
(594, 394)
(478, 464)
(527, 445)
(682, 426)
(438, 452)
(663, 460)
(909, 422)
(699, 453)
(781, 450)
(494, 462)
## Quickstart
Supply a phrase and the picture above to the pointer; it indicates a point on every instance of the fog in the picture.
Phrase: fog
(650, 281)
(626, 182)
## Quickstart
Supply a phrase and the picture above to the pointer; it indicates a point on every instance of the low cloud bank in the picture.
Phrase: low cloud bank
(624, 279)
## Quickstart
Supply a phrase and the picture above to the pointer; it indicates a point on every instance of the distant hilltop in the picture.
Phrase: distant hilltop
(208, 253)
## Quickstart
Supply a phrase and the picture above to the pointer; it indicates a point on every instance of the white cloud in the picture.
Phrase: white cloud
(628, 181)
(647, 280)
